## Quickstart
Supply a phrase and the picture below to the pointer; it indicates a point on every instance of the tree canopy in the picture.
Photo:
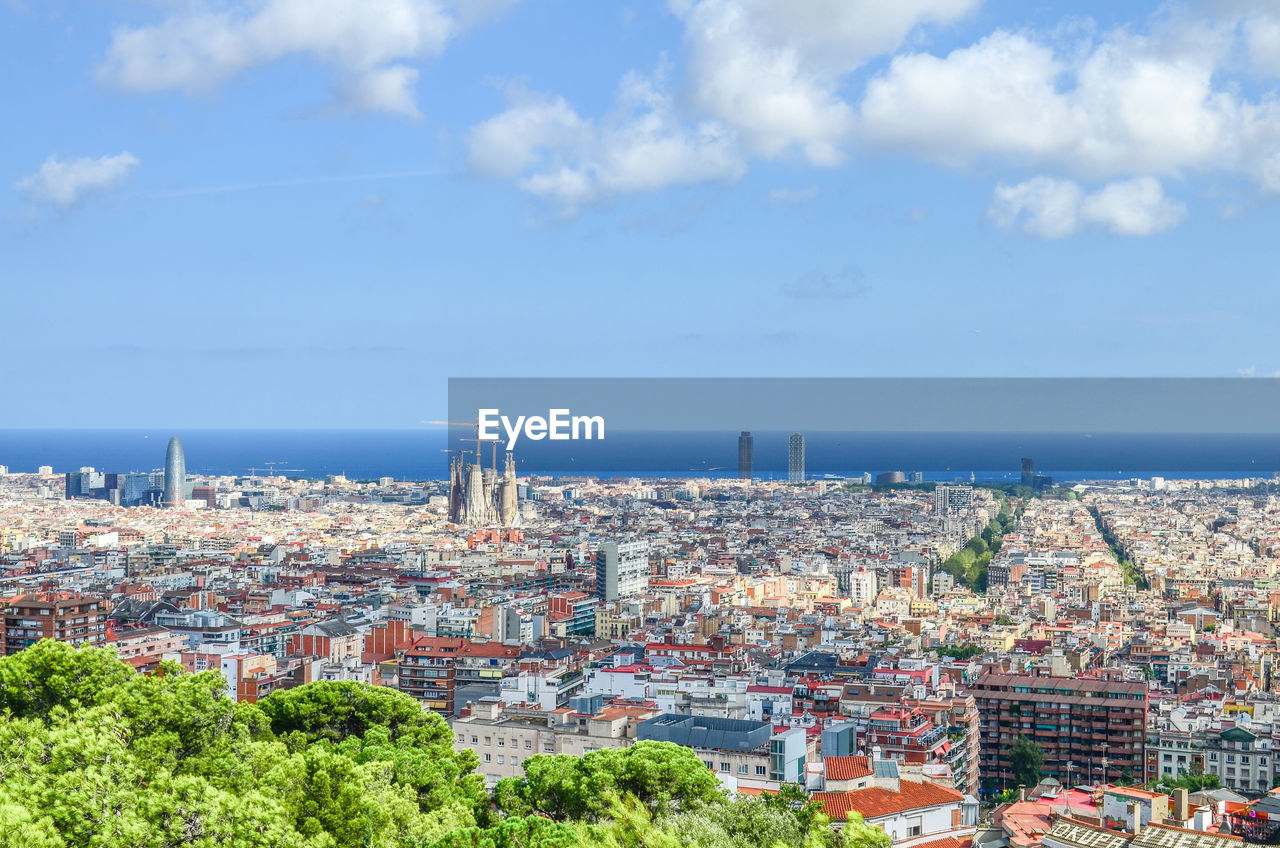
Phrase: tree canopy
(1026, 759)
(94, 754)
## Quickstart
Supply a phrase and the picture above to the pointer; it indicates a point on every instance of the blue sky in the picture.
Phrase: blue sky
(282, 213)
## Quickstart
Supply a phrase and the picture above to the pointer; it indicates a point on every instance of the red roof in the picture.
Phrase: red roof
(875, 802)
(847, 768)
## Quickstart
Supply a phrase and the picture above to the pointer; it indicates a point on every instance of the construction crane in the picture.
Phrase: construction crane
(477, 439)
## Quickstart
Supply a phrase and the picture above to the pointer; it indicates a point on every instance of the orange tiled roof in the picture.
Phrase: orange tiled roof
(875, 802)
(847, 768)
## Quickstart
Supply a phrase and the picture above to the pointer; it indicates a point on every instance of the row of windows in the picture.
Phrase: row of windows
(1231, 758)
(726, 767)
(488, 740)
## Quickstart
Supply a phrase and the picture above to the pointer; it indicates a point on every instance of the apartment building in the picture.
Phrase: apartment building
(1088, 729)
(73, 618)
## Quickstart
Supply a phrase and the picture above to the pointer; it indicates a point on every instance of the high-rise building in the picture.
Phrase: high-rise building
(952, 500)
(85, 483)
(1028, 471)
(746, 449)
(795, 458)
(1094, 729)
(175, 475)
(135, 488)
(622, 570)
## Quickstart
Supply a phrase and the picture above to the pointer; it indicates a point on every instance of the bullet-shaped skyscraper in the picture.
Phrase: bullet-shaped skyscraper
(746, 448)
(175, 475)
(795, 458)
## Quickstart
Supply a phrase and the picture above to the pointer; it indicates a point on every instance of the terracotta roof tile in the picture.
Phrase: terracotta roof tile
(847, 768)
(875, 802)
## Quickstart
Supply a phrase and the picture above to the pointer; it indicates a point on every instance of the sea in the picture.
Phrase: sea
(422, 454)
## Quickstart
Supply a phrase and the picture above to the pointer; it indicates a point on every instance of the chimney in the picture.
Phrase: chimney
(1022, 793)
(1181, 805)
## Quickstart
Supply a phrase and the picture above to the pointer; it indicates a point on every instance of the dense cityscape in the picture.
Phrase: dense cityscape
(669, 424)
(955, 664)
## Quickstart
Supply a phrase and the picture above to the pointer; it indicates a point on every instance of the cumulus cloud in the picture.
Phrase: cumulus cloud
(1128, 105)
(1054, 208)
(762, 79)
(370, 45)
(818, 285)
(773, 71)
(1129, 109)
(64, 182)
(553, 152)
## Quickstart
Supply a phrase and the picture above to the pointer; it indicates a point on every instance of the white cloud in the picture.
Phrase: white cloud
(552, 152)
(772, 71)
(763, 79)
(1262, 37)
(63, 183)
(367, 43)
(1053, 208)
(1157, 99)
(1137, 207)
(1127, 105)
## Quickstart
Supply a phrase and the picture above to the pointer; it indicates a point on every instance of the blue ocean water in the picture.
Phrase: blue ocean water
(420, 454)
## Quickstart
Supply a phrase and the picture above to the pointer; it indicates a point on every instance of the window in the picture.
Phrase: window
(760, 771)
(742, 769)
(488, 758)
(474, 740)
(499, 759)
(724, 766)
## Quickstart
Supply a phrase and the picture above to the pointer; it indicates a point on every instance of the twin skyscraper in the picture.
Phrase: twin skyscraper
(795, 456)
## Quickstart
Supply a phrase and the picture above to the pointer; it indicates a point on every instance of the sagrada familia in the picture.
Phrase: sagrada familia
(478, 497)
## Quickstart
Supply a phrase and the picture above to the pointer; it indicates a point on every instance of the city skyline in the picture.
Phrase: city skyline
(787, 423)
(629, 178)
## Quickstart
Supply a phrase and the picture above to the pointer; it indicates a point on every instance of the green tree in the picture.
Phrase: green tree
(166, 760)
(521, 832)
(1026, 761)
(659, 775)
(55, 674)
(337, 710)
